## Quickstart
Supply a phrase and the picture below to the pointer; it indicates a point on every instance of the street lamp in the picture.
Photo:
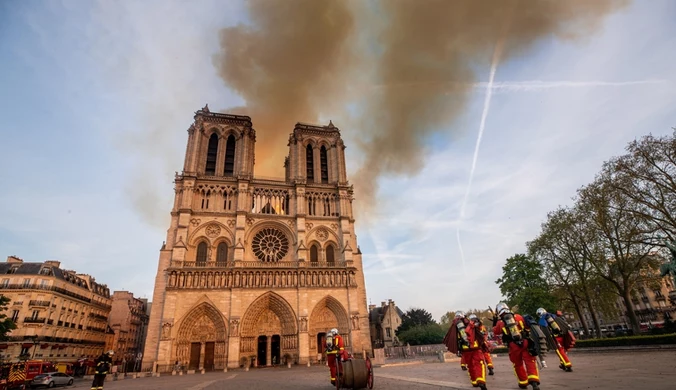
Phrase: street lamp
(35, 346)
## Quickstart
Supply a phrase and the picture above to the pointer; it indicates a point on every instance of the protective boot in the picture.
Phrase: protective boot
(482, 386)
(569, 369)
(490, 371)
(536, 385)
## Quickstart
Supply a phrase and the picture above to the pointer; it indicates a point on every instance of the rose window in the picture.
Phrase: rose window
(270, 245)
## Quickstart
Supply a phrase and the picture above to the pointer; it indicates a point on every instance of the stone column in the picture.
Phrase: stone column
(203, 350)
(268, 351)
(220, 157)
(317, 164)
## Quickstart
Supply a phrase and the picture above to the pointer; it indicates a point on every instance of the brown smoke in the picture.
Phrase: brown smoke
(289, 65)
(293, 63)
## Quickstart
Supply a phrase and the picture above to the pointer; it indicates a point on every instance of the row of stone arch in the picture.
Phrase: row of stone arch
(260, 279)
(269, 312)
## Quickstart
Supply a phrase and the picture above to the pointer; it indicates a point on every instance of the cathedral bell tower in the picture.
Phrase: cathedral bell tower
(257, 268)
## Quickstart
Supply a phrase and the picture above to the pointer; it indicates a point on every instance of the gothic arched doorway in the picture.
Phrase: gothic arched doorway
(326, 315)
(269, 330)
(202, 338)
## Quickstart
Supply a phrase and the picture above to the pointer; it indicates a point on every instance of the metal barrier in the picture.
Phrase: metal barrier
(415, 352)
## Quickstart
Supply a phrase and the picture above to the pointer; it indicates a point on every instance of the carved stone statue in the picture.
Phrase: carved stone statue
(166, 331)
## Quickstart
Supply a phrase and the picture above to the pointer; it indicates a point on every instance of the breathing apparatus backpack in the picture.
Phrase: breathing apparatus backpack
(512, 327)
(329, 342)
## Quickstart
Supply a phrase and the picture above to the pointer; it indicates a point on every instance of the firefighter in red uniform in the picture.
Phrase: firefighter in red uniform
(487, 353)
(335, 349)
(564, 340)
(463, 358)
(463, 336)
(514, 331)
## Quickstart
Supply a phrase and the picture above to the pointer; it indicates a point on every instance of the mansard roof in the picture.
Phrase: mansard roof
(26, 268)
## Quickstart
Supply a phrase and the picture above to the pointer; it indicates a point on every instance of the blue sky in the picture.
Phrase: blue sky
(86, 87)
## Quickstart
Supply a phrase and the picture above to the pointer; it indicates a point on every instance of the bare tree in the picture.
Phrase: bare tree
(569, 247)
(647, 176)
(623, 250)
(559, 277)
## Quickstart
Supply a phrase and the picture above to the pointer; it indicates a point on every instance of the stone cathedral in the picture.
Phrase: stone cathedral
(257, 270)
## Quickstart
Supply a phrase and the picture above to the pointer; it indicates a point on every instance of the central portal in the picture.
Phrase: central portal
(275, 350)
(262, 350)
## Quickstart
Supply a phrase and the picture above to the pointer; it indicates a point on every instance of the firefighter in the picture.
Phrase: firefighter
(560, 332)
(514, 331)
(463, 359)
(487, 353)
(103, 365)
(465, 337)
(335, 348)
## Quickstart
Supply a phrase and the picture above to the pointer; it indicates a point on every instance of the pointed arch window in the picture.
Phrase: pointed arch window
(201, 259)
(212, 152)
(222, 254)
(314, 254)
(309, 164)
(330, 254)
(230, 156)
(324, 164)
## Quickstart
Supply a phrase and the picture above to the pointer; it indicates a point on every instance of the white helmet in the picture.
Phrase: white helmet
(459, 314)
(502, 308)
(111, 352)
(541, 311)
(334, 331)
(473, 317)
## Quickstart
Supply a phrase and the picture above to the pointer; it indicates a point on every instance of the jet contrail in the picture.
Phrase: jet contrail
(536, 85)
(518, 86)
(482, 126)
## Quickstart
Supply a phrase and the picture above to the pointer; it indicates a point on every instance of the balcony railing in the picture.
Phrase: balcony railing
(45, 287)
(31, 320)
(98, 316)
(41, 339)
(208, 264)
(40, 303)
(332, 264)
(260, 264)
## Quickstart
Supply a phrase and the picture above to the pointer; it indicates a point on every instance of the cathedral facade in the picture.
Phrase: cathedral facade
(257, 270)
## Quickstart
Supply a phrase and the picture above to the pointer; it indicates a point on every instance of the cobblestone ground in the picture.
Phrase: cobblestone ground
(621, 371)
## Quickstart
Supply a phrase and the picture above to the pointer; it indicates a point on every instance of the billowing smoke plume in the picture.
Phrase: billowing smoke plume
(289, 65)
(293, 61)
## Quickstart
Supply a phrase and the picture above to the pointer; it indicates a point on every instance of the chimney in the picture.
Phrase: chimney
(372, 307)
(53, 263)
(14, 259)
(382, 304)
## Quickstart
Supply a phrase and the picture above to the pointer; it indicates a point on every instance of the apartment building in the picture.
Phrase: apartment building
(60, 315)
(129, 320)
(651, 305)
(384, 321)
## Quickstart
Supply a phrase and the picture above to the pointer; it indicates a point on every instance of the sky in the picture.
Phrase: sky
(86, 86)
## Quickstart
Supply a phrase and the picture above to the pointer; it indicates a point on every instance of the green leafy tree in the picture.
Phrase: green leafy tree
(431, 333)
(6, 324)
(414, 317)
(523, 285)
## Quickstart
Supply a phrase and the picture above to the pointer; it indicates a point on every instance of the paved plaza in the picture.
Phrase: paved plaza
(620, 371)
